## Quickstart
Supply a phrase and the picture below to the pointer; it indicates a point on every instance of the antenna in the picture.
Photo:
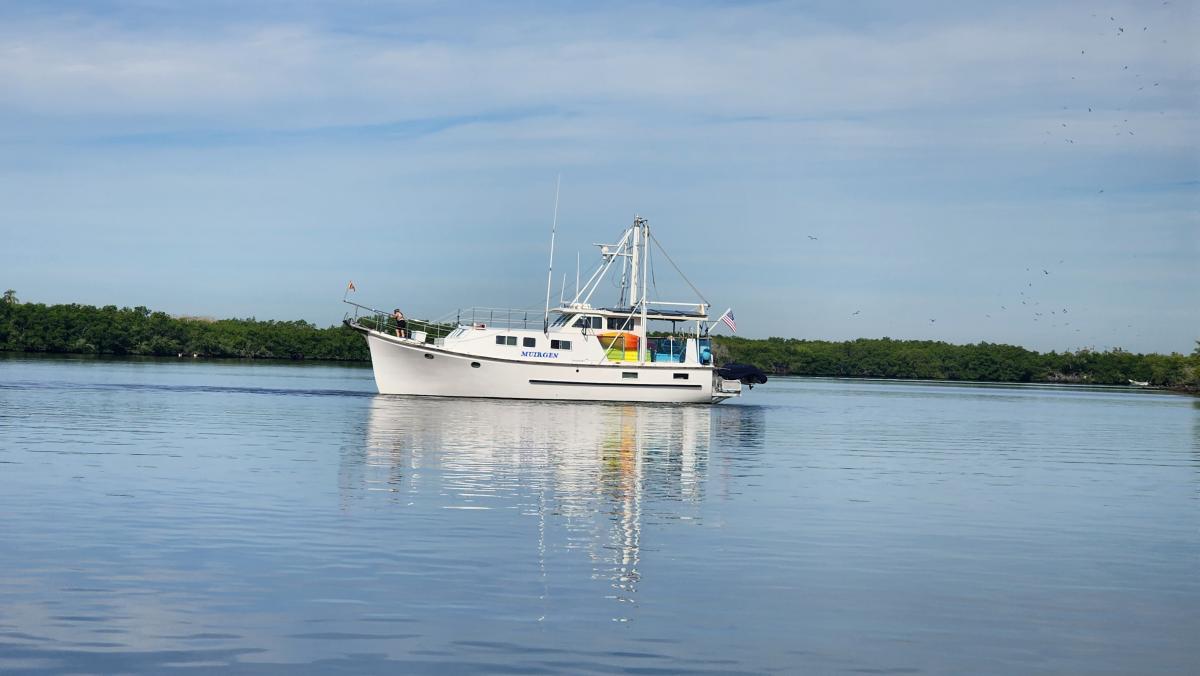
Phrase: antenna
(550, 272)
(576, 274)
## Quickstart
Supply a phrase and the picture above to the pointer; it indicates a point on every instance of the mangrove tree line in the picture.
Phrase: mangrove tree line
(109, 330)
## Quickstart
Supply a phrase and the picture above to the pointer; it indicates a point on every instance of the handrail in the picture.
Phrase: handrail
(507, 318)
(381, 319)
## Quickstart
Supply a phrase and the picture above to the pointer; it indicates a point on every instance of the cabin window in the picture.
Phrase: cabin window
(474, 364)
(681, 376)
(589, 322)
(506, 340)
(429, 356)
(529, 342)
(629, 375)
(560, 344)
(620, 323)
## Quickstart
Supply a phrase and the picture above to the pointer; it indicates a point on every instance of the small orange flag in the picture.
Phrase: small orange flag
(350, 287)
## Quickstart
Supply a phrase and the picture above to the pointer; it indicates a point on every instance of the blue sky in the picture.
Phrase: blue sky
(227, 160)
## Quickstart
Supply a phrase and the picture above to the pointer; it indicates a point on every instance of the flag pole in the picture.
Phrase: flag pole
(718, 319)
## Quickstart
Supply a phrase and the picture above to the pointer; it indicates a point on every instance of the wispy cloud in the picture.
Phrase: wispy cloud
(753, 61)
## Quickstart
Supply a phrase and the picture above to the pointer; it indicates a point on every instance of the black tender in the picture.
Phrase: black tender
(745, 373)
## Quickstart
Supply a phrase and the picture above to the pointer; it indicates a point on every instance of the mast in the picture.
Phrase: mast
(635, 261)
(645, 271)
(550, 272)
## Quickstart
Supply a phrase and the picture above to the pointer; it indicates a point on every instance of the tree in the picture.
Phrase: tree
(10, 297)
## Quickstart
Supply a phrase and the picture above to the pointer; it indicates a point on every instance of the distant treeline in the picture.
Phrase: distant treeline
(926, 359)
(109, 330)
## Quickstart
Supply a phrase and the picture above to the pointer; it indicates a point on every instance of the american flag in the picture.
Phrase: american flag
(728, 319)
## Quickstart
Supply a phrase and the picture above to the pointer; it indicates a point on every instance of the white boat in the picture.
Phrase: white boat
(575, 351)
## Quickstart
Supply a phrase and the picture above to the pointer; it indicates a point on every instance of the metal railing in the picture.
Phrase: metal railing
(380, 320)
(479, 317)
(492, 317)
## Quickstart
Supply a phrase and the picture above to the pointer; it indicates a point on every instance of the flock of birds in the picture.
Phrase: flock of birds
(1113, 31)
(1031, 296)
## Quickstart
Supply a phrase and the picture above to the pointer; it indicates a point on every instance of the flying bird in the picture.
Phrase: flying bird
(855, 312)
(1045, 272)
(812, 238)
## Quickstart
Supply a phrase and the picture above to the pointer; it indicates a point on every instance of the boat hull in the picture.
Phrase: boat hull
(406, 367)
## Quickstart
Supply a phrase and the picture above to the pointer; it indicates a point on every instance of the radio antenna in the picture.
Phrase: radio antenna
(550, 272)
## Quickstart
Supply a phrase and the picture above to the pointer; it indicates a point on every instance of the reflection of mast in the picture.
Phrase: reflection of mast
(628, 495)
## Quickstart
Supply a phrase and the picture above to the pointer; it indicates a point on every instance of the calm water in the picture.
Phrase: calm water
(195, 518)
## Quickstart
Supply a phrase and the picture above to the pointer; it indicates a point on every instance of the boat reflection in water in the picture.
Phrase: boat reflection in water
(581, 477)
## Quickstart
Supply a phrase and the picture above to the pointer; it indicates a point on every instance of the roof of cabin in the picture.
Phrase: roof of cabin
(653, 313)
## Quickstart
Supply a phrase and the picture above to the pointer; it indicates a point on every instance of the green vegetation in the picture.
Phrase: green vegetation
(83, 329)
(924, 359)
(108, 330)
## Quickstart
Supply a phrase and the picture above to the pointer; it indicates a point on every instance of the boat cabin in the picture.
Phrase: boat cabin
(584, 334)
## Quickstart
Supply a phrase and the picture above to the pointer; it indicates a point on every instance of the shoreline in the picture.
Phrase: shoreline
(359, 363)
(84, 331)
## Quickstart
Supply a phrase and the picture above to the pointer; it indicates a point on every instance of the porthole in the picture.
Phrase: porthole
(429, 356)
(474, 364)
